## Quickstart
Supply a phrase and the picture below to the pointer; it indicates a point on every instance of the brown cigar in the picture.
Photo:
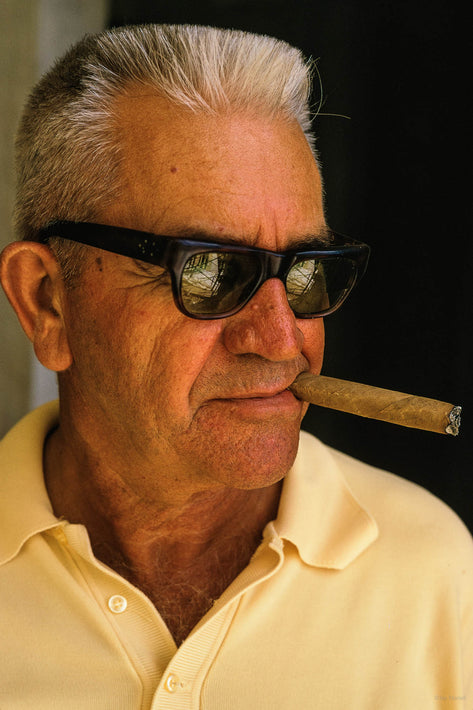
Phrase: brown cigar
(376, 403)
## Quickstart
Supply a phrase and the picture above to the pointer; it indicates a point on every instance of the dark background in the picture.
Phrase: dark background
(398, 175)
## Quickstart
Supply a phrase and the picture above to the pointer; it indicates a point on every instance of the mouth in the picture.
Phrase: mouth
(253, 397)
(280, 403)
(263, 391)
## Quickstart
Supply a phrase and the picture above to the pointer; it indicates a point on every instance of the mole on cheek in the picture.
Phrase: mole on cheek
(98, 261)
(173, 169)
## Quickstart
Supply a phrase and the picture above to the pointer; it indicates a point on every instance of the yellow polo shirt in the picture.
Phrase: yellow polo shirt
(359, 597)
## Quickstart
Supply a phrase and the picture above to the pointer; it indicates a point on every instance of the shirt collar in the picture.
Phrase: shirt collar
(25, 508)
(318, 513)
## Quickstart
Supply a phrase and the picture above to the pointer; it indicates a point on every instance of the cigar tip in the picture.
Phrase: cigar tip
(454, 418)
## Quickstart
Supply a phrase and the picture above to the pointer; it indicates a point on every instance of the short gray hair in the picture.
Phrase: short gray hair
(67, 152)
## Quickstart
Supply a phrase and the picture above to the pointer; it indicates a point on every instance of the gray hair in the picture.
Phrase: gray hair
(67, 153)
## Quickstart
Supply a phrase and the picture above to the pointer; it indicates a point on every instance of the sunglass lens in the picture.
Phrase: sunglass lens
(216, 283)
(318, 286)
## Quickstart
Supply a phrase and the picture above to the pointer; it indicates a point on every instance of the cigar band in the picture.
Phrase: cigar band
(455, 421)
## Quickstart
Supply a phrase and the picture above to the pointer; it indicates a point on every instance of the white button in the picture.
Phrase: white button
(117, 604)
(171, 683)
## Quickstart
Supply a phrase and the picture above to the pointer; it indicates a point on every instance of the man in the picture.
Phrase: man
(169, 538)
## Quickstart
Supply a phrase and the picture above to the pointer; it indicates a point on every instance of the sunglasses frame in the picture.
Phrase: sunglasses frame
(172, 253)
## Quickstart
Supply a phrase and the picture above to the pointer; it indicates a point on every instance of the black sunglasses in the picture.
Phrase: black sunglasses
(212, 280)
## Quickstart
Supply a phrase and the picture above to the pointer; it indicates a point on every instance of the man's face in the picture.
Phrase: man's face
(163, 397)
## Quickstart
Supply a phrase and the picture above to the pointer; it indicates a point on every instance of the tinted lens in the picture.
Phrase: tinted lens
(213, 283)
(315, 286)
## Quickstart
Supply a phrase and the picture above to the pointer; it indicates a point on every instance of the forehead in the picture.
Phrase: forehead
(240, 175)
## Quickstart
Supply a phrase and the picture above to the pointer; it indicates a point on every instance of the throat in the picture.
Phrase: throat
(184, 593)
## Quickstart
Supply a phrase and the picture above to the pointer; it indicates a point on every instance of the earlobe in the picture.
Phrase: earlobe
(31, 278)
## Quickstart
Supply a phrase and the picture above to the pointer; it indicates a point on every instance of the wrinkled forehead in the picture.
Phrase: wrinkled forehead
(236, 174)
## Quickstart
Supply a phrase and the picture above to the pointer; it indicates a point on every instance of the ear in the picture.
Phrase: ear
(31, 278)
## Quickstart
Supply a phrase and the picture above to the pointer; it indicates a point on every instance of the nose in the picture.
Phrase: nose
(266, 326)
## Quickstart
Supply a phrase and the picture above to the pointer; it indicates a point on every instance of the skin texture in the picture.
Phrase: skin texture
(175, 433)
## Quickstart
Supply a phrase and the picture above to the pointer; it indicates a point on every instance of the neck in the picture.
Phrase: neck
(199, 541)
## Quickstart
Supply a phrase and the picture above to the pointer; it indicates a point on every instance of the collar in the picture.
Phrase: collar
(25, 508)
(318, 513)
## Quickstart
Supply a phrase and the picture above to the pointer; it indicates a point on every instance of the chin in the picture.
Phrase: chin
(261, 461)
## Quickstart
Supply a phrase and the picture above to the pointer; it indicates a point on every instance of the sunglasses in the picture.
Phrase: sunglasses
(214, 280)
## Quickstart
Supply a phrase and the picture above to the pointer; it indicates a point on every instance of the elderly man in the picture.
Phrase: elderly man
(169, 538)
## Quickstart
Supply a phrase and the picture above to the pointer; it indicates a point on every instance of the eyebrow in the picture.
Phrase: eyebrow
(322, 236)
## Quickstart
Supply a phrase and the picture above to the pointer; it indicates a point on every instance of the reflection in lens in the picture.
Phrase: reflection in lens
(317, 285)
(215, 282)
(202, 276)
(306, 287)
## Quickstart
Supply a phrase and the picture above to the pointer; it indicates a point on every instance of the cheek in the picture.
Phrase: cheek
(105, 336)
(184, 350)
(155, 352)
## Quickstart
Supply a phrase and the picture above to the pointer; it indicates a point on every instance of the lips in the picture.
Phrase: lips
(258, 395)
(260, 391)
(258, 405)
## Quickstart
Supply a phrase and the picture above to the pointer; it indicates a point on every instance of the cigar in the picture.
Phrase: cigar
(376, 403)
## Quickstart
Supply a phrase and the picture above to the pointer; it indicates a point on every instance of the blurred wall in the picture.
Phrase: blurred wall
(18, 23)
(33, 34)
